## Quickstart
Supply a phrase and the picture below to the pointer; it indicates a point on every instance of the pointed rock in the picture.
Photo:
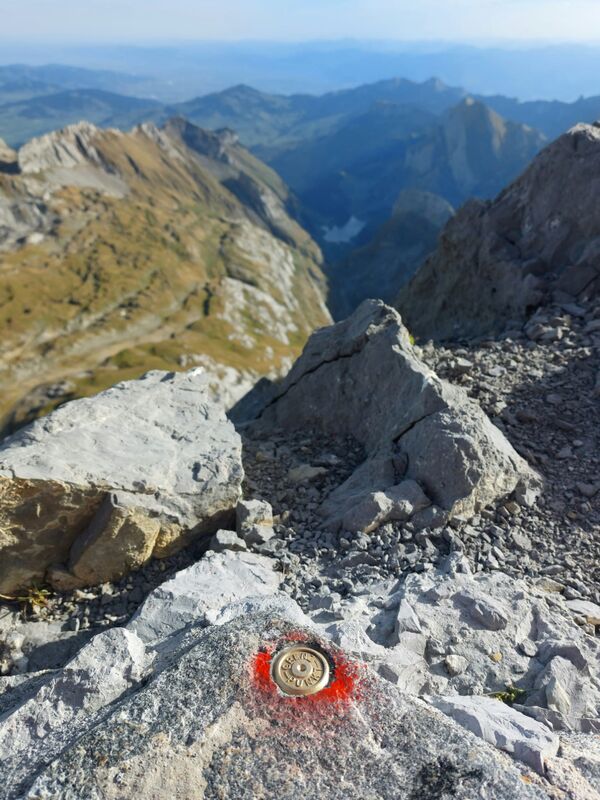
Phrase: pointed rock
(362, 378)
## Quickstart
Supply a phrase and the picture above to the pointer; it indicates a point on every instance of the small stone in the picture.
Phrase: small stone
(486, 611)
(586, 609)
(549, 586)
(80, 596)
(397, 503)
(227, 540)
(253, 512)
(406, 619)
(522, 541)
(462, 366)
(565, 452)
(305, 473)
(588, 489)
(526, 496)
(527, 648)
(455, 665)
(264, 456)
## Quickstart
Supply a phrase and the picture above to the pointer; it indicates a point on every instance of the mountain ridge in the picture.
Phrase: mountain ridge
(139, 250)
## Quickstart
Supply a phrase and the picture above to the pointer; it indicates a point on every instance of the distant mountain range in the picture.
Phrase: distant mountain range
(260, 118)
(346, 155)
(21, 120)
(174, 72)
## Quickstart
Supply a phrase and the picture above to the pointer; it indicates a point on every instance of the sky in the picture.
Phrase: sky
(289, 20)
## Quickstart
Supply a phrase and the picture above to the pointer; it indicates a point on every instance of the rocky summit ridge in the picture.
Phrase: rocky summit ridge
(398, 531)
(424, 517)
(497, 261)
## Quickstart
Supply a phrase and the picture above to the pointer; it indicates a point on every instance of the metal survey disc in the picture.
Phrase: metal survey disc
(300, 670)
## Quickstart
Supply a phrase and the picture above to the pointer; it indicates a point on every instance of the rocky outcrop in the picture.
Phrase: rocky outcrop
(493, 634)
(496, 261)
(104, 484)
(66, 148)
(208, 721)
(8, 157)
(362, 378)
(196, 595)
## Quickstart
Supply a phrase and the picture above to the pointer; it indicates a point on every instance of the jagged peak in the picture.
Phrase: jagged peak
(67, 147)
(7, 154)
(437, 84)
(583, 130)
(213, 144)
(581, 140)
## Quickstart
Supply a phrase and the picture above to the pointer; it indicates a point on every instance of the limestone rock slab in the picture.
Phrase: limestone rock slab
(208, 724)
(198, 594)
(502, 726)
(103, 484)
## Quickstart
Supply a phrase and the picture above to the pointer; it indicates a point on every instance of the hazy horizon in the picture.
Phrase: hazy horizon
(450, 20)
(177, 71)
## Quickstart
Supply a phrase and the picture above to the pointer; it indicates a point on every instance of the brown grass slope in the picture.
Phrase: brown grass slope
(121, 253)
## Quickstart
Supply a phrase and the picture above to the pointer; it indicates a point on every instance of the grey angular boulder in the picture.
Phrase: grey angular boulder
(103, 484)
(210, 723)
(497, 260)
(198, 594)
(363, 378)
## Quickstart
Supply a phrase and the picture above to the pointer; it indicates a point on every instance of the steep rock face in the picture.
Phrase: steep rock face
(474, 151)
(161, 248)
(496, 261)
(68, 148)
(398, 248)
(208, 721)
(103, 484)
(357, 171)
(362, 378)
